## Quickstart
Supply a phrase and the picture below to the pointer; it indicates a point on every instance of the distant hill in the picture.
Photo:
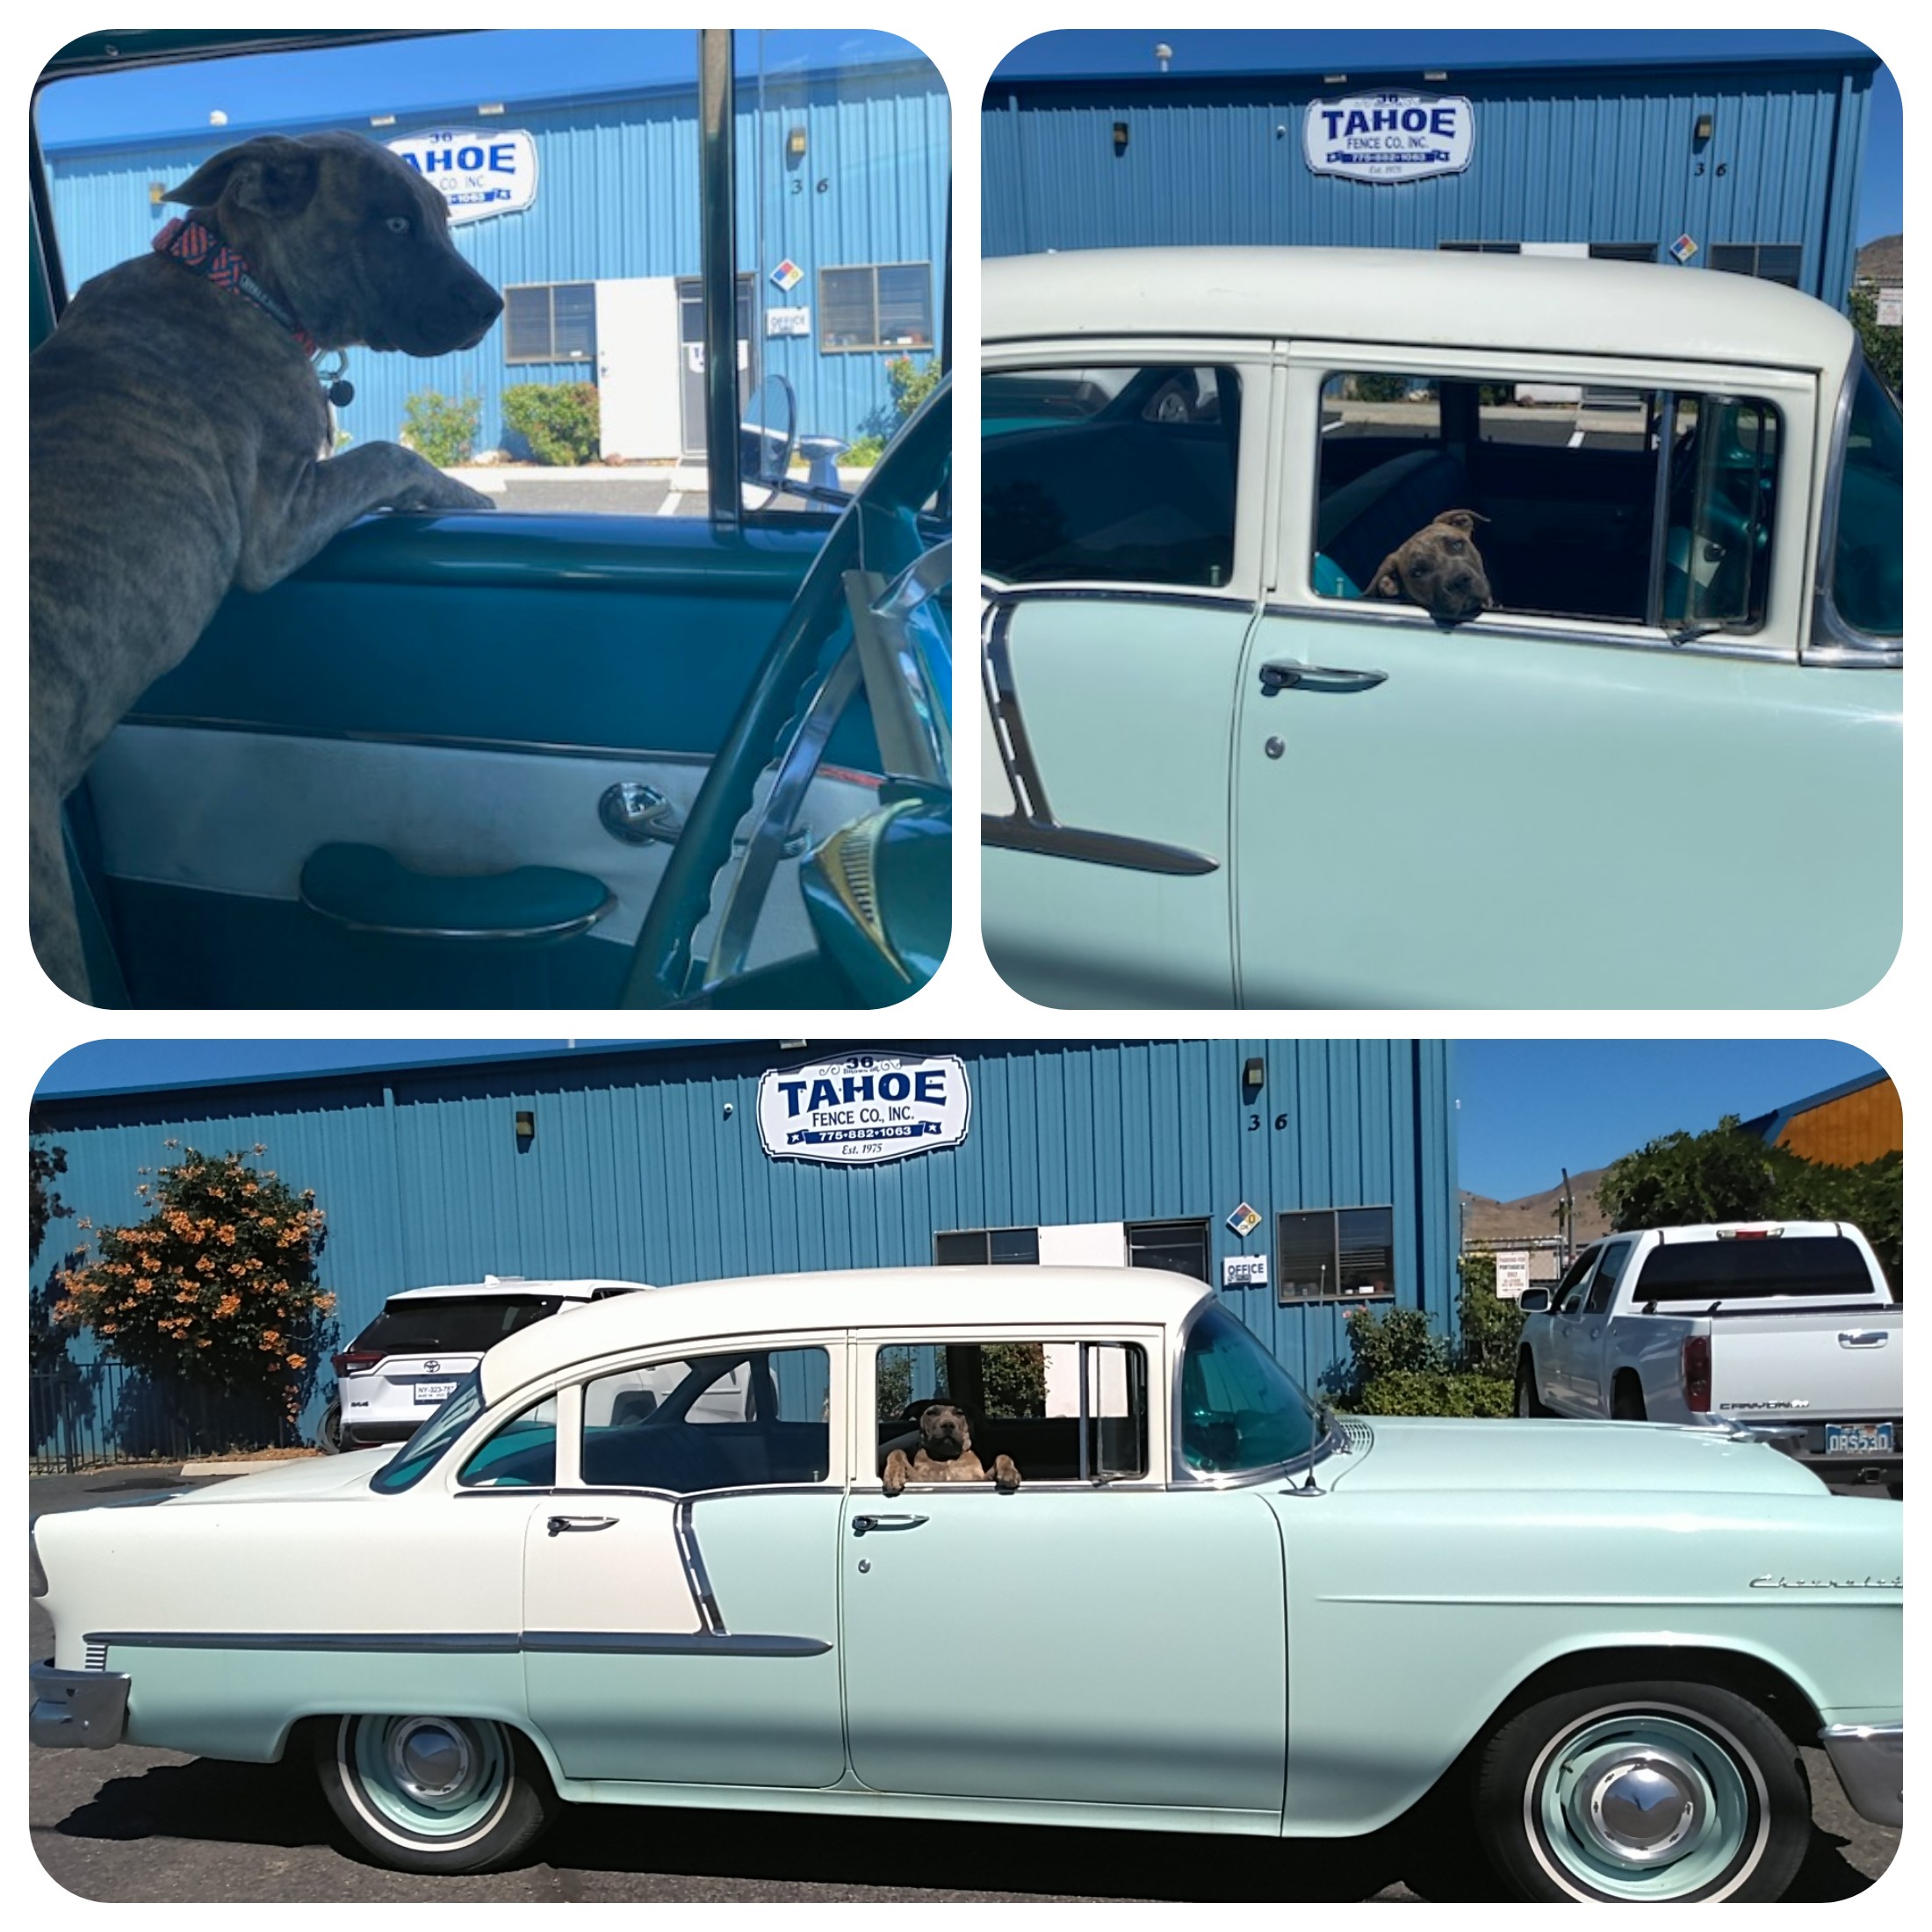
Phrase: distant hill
(1486, 1222)
(1883, 261)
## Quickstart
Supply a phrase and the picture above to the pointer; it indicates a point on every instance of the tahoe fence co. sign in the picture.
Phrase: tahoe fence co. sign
(869, 1108)
(477, 174)
(1389, 137)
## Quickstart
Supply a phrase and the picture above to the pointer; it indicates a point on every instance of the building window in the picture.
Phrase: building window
(550, 321)
(976, 1247)
(1480, 248)
(882, 306)
(1330, 1254)
(1769, 263)
(1178, 1246)
(1623, 252)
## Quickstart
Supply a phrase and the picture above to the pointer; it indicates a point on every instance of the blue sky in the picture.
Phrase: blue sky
(1525, 1108)
(1119, 50)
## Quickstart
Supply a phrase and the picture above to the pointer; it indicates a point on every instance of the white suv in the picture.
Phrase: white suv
(394, 1375)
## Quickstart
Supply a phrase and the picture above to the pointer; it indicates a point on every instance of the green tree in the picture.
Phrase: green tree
(217, 1285)
(1884, 348)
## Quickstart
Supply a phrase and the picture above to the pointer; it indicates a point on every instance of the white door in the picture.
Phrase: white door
(637, 363)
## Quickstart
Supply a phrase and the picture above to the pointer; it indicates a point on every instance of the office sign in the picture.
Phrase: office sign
(864, 1108)
(1382, 138)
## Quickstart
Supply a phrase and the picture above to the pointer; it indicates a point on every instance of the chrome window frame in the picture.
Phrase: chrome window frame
(1833, 640)
(1181, 1477)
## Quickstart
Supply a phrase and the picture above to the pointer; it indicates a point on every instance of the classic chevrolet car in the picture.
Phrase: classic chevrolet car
(1228, 766)
(556, 758)
(1211, 1604)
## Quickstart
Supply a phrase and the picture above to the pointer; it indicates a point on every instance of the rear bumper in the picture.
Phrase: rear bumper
(70, 1709)
(1870, 1761)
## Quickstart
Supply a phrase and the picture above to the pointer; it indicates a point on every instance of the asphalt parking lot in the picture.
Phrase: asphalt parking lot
(134, 1824)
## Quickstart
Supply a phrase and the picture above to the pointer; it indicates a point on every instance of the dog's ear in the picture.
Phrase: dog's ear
(1388, 579)
(268, 176)
(1466, 521)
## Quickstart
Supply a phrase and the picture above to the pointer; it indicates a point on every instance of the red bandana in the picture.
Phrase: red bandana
(204, 252)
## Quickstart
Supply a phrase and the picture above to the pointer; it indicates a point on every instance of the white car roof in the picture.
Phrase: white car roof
(905, 1298)
(1429, 298)
(515, 1284)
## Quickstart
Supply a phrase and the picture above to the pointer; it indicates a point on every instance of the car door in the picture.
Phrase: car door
(1562, 1351)
(1590, 1365)
(679, 1593)
(1121, 486)
(1422, 807)
(1049, 1645)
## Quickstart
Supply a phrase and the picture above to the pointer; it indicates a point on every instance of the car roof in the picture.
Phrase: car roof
(574, 1290)
(1429, 298)
(902, 1298)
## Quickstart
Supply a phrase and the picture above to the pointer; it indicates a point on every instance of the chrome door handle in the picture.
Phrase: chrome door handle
(558, 1524)
(1862, 1337)
(861, 1523)
(639, 814)
(1280, 676)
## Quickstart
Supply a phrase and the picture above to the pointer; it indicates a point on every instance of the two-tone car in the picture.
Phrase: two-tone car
(1211, 1604)
(1236, 759)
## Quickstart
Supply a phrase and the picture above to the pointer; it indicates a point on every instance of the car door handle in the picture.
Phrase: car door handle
(861, 1523)
(1862, 1337)
(1279, 676)
(558, 1524)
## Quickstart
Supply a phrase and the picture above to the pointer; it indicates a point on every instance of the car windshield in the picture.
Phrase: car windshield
(1240, 1410)
(420, 1452)
(453, 1323)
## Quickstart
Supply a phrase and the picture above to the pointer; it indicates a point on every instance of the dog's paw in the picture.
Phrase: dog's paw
(446, 493)
(1006, 1473)
(896, 1469)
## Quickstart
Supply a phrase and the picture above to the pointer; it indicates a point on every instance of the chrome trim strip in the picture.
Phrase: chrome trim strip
(188, 721)
(69, 1709)
(410, 1643)
(1840, 643)
(670, 1643)
(1870, 1761)
(1005, 595)
(561, 929)
(694, 1577)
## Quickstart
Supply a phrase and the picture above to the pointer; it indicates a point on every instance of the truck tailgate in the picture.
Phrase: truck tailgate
(1842, 1363)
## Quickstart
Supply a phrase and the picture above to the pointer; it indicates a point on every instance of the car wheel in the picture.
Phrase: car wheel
(1644, 1792)
(1626, 1402)
(434, 1793)
(329, 1437)
(1527, 1401)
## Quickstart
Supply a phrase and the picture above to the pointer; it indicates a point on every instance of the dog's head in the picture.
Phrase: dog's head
(944, 1432)
(352, 238)
(1440, 569)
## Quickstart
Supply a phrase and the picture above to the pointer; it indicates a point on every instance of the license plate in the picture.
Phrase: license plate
(434, 1392)
(1857, 1439)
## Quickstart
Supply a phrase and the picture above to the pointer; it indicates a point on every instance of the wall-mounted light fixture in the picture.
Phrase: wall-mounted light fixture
(1254, 1073)
(796, 144)
(1120, 138)
(526, 1131)
(1706, 126)
(157, 192)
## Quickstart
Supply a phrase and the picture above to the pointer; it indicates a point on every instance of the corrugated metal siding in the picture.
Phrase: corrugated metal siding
(1849, 1131)
(638, 1171)
(1586, 156)
(617, 197)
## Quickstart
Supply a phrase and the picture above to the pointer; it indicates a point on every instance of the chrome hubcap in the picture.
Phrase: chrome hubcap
(1642, 1809)
(431, 1761)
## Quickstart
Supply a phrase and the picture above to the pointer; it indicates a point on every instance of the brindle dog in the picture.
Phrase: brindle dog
(1440, 569)
(946, 1454)
(178, 432)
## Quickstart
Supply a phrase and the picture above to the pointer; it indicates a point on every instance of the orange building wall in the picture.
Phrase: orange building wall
(1851, 1130)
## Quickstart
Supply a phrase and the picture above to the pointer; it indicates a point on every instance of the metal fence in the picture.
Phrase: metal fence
(83, 1415)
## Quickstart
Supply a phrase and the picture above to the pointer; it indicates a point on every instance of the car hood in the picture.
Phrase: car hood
(302, 1475)
(1416, 1452)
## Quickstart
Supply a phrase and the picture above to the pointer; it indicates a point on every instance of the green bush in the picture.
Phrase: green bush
(1372, 387)
(439, 430)
(559, 420)
(1415, 1392)
(1398, 1367)
(910, 384)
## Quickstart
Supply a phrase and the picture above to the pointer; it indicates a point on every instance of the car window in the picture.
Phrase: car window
(1569, 1291)
(569, 161)
(1240, 1410)
(1123, 474)
(1062, 1411)
(521, 1455)
(1868, 564)
(1603, 1286)
(455, 1323)
(738, 1419)
(1622, 506)
(1754, 1267)
(424, 1449)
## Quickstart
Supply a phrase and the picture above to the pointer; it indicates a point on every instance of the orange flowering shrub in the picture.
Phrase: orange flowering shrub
(218, 1285)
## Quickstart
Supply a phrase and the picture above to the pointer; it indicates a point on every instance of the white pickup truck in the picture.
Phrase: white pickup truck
(1788, 1330)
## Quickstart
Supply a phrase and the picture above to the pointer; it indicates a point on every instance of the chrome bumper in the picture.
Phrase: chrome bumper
(1870, 1761)
(69, 1708)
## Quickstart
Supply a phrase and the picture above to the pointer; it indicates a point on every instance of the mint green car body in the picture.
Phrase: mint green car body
(1307, 1650)
(1221, 771)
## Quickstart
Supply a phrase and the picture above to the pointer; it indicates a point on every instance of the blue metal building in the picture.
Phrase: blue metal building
(1748, 165)
(1303, 1178)
(825, 184)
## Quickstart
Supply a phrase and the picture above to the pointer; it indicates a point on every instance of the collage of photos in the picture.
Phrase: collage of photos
(1312, 1313)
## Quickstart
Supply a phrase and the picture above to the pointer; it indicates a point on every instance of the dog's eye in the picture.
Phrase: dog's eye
(1453, 547)
(1423, 567)
(398, 224)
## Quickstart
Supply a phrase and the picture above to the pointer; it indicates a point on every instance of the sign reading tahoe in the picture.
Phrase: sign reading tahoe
(1389, 137)
(869, 1108)
(477, 174)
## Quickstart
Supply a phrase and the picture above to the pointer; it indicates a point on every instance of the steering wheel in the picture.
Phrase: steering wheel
(877, 533)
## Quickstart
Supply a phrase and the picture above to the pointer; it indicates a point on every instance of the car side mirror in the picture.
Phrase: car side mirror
(1534, 1301)
(768, 437)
